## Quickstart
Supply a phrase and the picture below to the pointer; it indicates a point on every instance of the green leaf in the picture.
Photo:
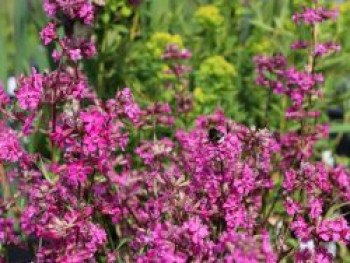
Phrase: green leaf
(339, 127)
(3, 53)
(49, 176)
(123, 241)
(334, 208)
(20, 35)
(159, 11)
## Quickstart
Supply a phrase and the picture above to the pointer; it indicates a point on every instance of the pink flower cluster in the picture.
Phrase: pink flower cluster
(48, 33)
(223, 194)
(307, 185)
(11, 149)
(114, 188)
(325, 48)
(267, 68)
(175, 55)
(176, 59)
(124, 106)
(38, 89)
(315, 15)
(74, 48)
(30, 92)
(7, 234)
(77, 9)
(320, 50)
(67, 232)
(274, 74)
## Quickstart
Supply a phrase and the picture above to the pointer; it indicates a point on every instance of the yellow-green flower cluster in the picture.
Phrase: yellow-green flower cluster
(160, 40)
(218, 67)
(261, 45)
(209, 16)
(344, 9)
(215, 74)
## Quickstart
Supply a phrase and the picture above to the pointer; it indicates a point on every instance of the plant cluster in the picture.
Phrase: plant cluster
(217, 192)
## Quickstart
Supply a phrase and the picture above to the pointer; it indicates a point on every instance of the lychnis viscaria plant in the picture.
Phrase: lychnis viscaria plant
(220, 192)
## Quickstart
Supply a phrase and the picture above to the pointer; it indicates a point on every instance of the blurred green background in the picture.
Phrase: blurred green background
(223, 35)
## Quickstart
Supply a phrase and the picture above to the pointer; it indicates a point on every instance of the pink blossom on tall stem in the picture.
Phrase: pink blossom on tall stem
(300, 45)
(77, 9)
(325, 48)
(48, 34)
(75, 54)
(315, 15)
(86, 12)
(30, 91)
(50, 7)
(175, 57)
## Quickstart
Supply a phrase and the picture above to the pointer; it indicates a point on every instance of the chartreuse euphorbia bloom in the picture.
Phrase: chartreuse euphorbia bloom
(160, 40)
(215, 73)
(209, 16)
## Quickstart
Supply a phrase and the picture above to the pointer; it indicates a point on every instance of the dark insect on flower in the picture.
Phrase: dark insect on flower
(215, 135)
(68, 25)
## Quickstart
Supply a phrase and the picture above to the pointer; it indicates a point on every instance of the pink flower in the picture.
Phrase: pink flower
(152, 152)
(125, 105)
(302, 256)
(299, 45)
(301, 228)
(27, 127)
(4, 97)
(312, 16)
(315, 208)
(7, 231)
(334, 230)
(80, 90)
(30, 91)
(323, 256)
(56, 55)
(48, 34)
(241, 247)
(292, 207)
(173, 52)
(86, 12)
(50, 7)
(289, 181)
(171, 195)
(75, 54)
(325, 48)
(89, 49)
(10, 146)
(76, 173)
(197, 230)
(269, 66)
